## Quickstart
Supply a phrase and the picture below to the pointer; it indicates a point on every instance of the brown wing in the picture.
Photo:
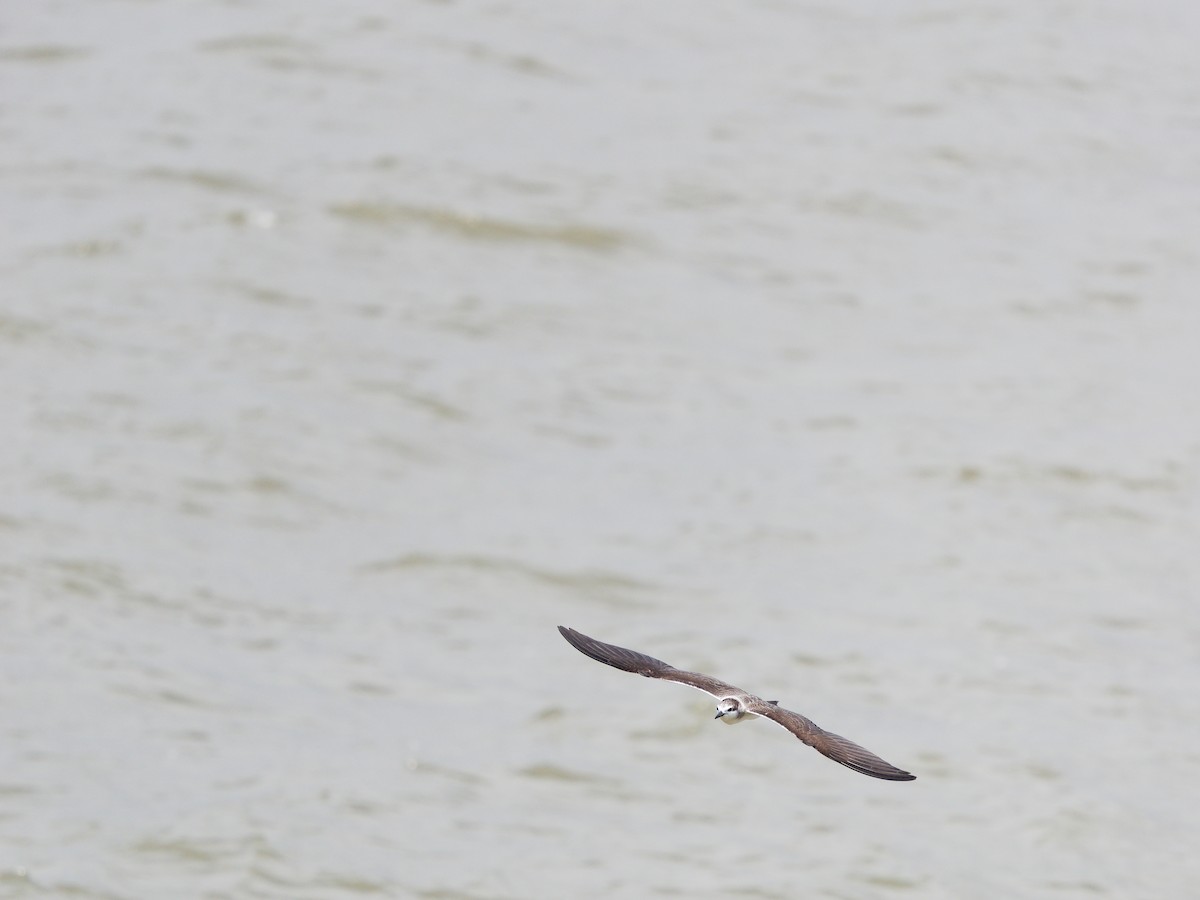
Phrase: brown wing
(836, 747)
(632, 661)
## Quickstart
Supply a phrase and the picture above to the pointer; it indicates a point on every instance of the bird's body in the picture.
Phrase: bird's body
(735, 705)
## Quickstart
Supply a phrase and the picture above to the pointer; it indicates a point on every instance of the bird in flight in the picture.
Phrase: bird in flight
(734, 704)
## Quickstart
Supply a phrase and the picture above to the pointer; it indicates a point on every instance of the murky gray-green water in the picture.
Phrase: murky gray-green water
(849, 352)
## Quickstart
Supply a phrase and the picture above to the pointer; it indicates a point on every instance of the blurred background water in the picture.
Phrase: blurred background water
(848, 352)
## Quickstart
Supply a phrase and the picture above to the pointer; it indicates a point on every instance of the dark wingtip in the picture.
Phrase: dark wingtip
(883, 774)
(861, 760)
(612, 655)
(891, 773)
(883, 770)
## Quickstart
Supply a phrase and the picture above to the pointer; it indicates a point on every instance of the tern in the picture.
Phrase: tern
(734, 704)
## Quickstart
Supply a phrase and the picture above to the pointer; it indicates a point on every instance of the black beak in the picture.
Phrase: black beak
(719, 714)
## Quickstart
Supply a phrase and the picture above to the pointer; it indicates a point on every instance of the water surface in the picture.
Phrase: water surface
(844, 352)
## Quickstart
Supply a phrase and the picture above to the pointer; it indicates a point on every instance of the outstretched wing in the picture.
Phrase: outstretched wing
(632, 661)
(836, 747)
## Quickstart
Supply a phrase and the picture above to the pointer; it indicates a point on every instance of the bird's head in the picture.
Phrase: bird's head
(730, 709)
